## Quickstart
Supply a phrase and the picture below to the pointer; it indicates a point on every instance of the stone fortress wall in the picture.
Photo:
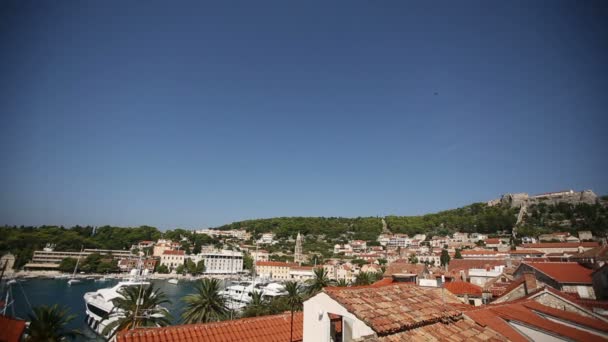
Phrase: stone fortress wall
(517, 200)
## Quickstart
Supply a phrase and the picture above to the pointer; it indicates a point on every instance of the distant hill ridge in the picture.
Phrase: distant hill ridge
(558, 211)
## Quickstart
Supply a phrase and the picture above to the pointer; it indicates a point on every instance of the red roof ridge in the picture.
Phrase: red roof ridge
(242, 329)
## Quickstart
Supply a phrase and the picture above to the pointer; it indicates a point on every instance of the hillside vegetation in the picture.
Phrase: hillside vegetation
(476, 217)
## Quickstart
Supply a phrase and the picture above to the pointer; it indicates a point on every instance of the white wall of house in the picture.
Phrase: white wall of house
(317, 324)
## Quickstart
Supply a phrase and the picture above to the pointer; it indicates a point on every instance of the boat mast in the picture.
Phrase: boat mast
(77, 261)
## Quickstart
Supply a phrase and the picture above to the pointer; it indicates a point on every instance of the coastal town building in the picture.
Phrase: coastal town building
(260, 255)
(480, 276)
(172, 259)
(559, 247)
(163, 245)
(267, 239)
(128, 264)
(49, 259)
(568, 277)
(345, 249)
(388, 311)
(301, 273)
(467, 293)
(239, 234)
(220, 262)
(298, 256)
(275, 270)
(483, 254)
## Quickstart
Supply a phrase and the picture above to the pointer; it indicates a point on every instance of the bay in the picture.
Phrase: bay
(33, 292)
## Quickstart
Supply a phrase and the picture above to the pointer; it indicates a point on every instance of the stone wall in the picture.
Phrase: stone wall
(552, 301)
(517, 200)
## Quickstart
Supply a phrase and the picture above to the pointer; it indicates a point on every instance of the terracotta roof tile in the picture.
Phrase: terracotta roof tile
(11, 329)
(463, 288)
(560, 245)
(396, 307)
(171, 252)
(265, 328)
(563, 272)
(526, 251)
(462, 330)
(498, 317)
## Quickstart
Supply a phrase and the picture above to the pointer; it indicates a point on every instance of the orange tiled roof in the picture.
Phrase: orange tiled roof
(463, 288)
(526, 251)
(276, 263)
(492, 241)
(497, 317)
(171, 252)
(393, 308)
(478, 252)
(460, 331)
(12, 329)
(560, 245)
(266, 328)
(563, 272)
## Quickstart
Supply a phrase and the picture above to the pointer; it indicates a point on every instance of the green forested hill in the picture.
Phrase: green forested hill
(476, 217)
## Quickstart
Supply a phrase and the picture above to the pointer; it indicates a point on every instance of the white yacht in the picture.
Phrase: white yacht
(239, 294)
(173, 281)
(99, 305)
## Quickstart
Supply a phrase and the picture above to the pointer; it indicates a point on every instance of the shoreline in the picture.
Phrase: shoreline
(152, 276)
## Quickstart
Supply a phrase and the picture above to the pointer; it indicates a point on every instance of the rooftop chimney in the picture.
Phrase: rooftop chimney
(529, 282)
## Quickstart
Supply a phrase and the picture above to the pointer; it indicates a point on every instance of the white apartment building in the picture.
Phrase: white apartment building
(383, 239)
(220, 262)
(358, 245)
(399, 240)
(267, 238)
(346, 249)
(301, 273)
(480, 276)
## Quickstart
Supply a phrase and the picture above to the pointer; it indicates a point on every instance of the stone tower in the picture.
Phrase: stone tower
(297, 255)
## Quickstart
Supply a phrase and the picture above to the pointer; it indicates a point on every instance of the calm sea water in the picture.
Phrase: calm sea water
(56, 291)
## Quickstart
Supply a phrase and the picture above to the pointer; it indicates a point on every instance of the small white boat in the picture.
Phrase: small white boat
(73, 281)
(172, 281)
(11, 282)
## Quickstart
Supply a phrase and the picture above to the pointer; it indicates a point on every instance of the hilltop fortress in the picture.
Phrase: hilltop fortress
(518, 200)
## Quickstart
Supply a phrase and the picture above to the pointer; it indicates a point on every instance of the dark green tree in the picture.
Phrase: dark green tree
(457, 255)
(319, 281)
(294, 300)
(67, 265)
(138, 307)
(205, 304)
(49, 323)
(445, 257)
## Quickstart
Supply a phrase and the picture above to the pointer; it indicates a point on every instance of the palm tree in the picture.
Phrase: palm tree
(364, 278)
(319, 281)
(138, 306)
(294, 300)
(258, 306)
(342, 283)
(48, 323)
(206, 304)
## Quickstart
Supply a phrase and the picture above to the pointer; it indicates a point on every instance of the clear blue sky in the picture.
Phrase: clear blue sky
(197, 114)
